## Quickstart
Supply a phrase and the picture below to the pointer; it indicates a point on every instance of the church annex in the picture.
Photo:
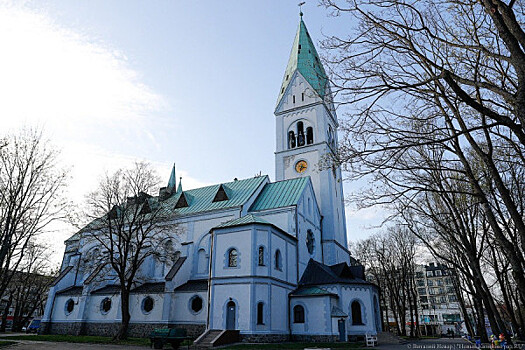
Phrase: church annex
(268, 259)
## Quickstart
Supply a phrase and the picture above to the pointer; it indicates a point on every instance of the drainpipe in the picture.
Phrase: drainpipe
(321, 230)
(210, 264)
(289, 320)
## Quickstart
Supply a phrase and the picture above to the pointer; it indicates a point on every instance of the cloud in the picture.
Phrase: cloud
(83, 93)
(65, 81)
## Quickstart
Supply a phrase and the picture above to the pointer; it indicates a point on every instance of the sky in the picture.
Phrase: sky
(188, 82)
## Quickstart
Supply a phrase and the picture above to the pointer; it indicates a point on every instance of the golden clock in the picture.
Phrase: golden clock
(301, 166)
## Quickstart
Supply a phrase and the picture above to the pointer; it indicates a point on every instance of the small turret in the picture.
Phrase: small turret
(166, 192)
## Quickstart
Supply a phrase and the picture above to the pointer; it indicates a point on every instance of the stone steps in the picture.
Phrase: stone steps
(205, 341)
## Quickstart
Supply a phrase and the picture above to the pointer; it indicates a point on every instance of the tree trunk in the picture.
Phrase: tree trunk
(6, 312)
(124, 308)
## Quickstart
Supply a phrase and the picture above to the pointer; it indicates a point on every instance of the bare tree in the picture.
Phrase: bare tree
(30, 285)
(437, 90)
(128, 226)
(390, 260)
(31, 197)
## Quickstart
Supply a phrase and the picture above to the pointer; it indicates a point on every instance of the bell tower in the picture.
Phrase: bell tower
(306, 130)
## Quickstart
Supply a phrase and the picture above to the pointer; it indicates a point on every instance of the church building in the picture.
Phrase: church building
(266, 259)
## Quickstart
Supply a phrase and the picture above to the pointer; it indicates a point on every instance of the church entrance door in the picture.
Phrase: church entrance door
(230, 315)
(342, 330)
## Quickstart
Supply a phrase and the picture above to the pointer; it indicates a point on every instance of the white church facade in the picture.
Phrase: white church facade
(268, 259)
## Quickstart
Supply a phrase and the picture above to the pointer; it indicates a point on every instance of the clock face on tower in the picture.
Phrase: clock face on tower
(301, 166)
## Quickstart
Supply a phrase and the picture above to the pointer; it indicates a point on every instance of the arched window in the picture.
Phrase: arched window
(298, 314)
(261, 256)
(300, 134)
(176, 256)
(291, 139)
(356, 313)
(260, 313)
(310, 241)
(278, 260)
(232, 258)
(95, 255)
(202, 264)
(331, 136)
(309, 135)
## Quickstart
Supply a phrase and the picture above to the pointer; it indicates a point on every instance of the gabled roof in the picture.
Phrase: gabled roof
(109, 289)
(201, 199)
(337, 312)
(317, 273)
(221, 195)
(62, 275)
(311, 291)
(304, 58)
(245, 220)
(175, 268)
(157, 287)
(193, 286)
(182, 202)
(280, 194)
(94, 274)
(73, 290)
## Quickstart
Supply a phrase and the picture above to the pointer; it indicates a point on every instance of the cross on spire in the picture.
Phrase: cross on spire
(301, 8)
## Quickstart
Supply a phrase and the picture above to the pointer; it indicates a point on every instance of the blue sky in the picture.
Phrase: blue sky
(191, 82)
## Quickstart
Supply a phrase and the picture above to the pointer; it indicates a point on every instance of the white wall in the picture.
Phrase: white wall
(364, 295)
(317, 319)
(181, 311)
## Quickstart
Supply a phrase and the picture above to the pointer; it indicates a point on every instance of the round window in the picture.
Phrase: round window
(147, 304)
(105, 305)
(196, 303)
(70, 305)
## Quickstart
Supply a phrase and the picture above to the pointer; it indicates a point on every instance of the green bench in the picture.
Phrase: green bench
(161, 336)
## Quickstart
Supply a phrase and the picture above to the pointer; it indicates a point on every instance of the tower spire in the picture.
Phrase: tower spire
(172, 182)
(305, 60)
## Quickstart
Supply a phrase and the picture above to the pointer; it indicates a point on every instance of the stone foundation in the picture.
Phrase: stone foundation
(139, 330)
(264, 338)
(307, 338)
(71, 328)
(193, 330)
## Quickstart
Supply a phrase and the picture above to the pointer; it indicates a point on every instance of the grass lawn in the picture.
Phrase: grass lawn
(293, 346)
(6, 343)
(79, 339)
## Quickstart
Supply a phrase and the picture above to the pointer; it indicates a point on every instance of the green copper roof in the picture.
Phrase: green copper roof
(280, 194)
(179, 189)
(172, 182)
(201, 199)
(311, 291)
(245, 220)
(304, 58)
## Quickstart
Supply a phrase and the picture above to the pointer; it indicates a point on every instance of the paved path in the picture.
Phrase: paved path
(430, 344)
(47, 345)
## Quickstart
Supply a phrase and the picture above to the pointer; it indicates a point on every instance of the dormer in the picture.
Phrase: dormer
(182, 202)
(221, 194)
